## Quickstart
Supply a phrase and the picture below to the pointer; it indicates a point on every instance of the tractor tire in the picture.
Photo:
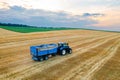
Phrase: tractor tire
(70, 51)
(63, 52)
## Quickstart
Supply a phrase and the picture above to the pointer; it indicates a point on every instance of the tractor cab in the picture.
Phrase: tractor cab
(62, 44)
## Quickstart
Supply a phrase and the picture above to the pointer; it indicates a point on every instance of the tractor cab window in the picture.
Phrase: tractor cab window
(62, 44)
(65, 44)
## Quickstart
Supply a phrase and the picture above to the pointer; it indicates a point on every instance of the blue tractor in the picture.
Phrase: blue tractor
(43, 51)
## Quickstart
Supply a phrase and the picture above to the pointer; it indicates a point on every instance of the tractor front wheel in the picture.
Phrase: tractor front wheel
(63, 52)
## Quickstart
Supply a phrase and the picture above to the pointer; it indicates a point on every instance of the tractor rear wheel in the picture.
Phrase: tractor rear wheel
(70, 51)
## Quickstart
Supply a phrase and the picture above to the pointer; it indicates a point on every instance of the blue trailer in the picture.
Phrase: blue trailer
(43, 51)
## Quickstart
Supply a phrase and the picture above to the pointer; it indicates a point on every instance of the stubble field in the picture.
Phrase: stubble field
(96, 56)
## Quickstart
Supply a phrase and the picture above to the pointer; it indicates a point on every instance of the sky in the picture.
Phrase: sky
(93, 14)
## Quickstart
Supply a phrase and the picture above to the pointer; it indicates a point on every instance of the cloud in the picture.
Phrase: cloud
(17, 8)
(37, 17)
(93, 15)
(4, 5)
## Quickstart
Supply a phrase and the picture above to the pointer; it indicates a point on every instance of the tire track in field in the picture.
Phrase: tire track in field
(30, 36)
(83, 72)
(59, 69)
(99, 64)
(110, 70)
(25, 42)
(35, 68)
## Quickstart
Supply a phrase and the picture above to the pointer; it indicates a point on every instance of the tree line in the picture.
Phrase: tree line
(22, 25)
(15, 25)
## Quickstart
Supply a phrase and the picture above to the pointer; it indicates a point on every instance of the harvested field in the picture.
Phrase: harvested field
(5, 33)
(95, 56)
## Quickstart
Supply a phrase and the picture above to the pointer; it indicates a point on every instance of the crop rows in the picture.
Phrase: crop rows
(91, 52)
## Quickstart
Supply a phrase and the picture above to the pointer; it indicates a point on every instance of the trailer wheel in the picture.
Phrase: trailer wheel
(41, 59)
(63, 52)
(46, 57)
